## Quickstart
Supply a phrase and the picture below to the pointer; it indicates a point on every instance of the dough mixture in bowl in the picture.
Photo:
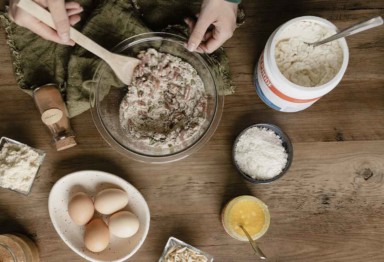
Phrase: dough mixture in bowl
(166, 102)
(304, 64)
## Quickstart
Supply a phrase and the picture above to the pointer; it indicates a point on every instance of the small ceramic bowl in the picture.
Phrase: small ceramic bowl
(91, 182)
(286, 144)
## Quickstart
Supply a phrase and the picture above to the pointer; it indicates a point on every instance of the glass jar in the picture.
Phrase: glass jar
(54, 115)
(18, 248)
(248, 212)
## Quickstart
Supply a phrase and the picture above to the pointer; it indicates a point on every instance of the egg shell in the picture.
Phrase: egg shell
(81, 209)
(110, 200)
(96, 235)
(123, 224)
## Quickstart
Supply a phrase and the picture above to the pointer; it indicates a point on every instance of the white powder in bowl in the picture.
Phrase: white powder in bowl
(303, 64)
(18, 167)
(260, 154)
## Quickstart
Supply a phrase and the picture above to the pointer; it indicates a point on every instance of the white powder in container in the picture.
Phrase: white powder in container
(18, 167)
(260, 154)
(303, 64)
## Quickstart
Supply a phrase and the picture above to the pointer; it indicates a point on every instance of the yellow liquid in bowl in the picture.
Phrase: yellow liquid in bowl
(246, 211)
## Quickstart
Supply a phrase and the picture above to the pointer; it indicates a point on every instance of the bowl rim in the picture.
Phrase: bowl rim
(122, 181)
(287, 144)
(198, 144)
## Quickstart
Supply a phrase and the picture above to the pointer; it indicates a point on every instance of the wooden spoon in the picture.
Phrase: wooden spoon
(123, 66)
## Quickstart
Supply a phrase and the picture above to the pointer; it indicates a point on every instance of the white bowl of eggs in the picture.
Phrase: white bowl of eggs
(98, 215)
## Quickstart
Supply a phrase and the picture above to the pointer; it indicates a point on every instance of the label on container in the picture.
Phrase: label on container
(273, 96)
(51, 116)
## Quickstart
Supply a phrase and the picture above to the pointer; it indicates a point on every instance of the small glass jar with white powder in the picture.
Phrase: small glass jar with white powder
(292, 75)
(262, 153)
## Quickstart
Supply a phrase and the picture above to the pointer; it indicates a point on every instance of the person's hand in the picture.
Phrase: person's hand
(63, 14)
(215, 25)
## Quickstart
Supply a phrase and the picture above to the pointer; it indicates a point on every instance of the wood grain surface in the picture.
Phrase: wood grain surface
(328, 207)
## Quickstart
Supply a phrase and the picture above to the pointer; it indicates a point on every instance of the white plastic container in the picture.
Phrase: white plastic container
(275, 90)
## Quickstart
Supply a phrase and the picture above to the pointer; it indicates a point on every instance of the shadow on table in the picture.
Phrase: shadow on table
(87, 162)
(18, 133)
(8, 225)
(236, 185)
(246, 120)
(266, 16)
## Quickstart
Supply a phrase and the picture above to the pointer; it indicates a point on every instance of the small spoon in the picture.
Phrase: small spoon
(123, 66)
(253, 244)
(354, 29)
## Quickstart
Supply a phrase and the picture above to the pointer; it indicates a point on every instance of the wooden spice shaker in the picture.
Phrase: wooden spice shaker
(54, 115)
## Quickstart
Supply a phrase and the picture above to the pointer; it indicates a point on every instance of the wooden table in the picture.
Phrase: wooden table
(328, 207)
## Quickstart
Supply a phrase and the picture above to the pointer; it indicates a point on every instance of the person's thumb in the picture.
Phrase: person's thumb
(198, 32)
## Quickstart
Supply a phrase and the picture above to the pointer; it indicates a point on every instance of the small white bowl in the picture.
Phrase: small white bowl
(91, 182)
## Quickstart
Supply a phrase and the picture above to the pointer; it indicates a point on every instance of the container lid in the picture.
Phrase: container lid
(65, 143)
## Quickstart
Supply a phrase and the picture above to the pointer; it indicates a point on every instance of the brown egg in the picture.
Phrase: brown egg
(81, 208)
(123, 224)
(96, 236)
(110, 200)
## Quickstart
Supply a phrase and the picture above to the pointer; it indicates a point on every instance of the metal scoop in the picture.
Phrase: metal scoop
(356, 28)
(253, 244)
(123, 66)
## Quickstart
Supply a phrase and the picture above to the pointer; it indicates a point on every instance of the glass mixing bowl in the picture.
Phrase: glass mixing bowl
(108, 92)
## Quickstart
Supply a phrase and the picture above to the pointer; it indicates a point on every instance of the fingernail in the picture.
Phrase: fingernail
(191, 47)
(64, 37)
(199, 50)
